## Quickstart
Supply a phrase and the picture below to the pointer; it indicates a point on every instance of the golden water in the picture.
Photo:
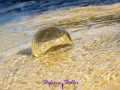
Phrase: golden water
(94, 62)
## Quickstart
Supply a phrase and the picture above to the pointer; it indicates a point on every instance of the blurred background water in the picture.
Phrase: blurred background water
(25, 5)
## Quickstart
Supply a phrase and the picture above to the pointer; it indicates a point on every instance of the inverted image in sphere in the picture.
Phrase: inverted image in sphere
(49, 37)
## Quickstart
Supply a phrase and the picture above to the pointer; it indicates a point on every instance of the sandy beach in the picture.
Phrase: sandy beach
(94, 62)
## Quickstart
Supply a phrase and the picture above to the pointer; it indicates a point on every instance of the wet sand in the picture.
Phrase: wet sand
(94, 61)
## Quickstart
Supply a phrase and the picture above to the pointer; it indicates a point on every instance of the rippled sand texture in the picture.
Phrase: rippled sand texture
(94, 61)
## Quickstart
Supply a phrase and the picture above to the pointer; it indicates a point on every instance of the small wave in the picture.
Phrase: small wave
(45, 5)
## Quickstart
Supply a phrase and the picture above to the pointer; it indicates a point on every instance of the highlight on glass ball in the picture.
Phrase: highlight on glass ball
(50, 38)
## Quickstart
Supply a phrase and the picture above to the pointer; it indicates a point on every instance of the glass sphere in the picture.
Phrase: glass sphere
(49, 37)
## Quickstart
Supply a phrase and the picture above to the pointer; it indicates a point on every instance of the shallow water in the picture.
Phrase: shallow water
(94, 61)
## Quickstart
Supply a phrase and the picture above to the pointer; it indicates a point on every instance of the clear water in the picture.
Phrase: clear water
(94, 61)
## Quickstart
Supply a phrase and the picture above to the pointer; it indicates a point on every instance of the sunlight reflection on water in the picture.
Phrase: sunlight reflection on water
(94, 61)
